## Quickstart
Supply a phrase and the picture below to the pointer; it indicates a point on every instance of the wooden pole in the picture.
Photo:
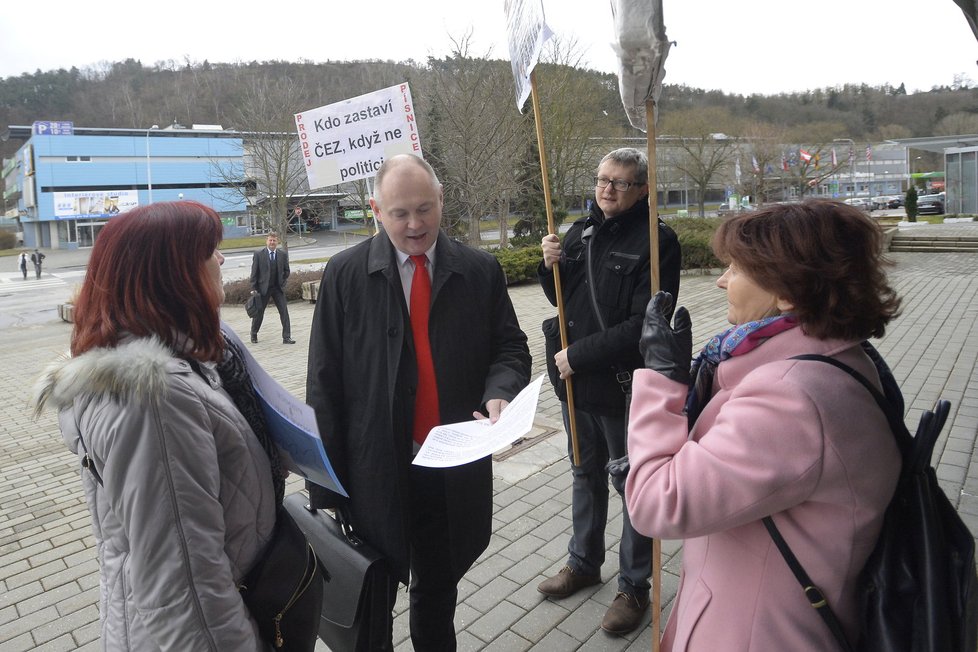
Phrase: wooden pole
(654, 265)
(551, 229)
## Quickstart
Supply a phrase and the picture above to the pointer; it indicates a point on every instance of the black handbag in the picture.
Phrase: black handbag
(356, 613)
(284, 590)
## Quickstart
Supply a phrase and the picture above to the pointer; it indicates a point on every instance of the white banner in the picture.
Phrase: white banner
(642, 47)
(526, 32)
(349, 140)
(94, 203)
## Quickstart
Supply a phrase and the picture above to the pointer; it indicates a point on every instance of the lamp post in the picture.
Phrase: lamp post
(852, 179)
(149, 167)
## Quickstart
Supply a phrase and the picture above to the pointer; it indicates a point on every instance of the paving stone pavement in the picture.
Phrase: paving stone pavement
(48, 573)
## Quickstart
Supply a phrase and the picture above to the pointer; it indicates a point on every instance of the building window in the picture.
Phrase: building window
(78, 159)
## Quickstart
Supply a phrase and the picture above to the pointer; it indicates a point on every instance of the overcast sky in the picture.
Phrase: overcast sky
(750, 46)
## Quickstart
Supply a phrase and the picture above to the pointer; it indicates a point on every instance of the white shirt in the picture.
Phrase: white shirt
(405, 267)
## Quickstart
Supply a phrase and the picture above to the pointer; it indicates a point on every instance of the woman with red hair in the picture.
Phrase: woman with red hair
(181, 481)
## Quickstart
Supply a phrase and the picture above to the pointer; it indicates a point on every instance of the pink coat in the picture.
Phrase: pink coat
(797, 439)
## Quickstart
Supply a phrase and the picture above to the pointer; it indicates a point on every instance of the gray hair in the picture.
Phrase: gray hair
(630, 157)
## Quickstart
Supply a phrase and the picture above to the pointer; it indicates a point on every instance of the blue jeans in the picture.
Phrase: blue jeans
(599, 440)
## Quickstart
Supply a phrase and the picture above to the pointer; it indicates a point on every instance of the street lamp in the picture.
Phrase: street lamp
(149, 167)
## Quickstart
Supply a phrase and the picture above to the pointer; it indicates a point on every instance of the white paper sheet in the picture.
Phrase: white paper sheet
(460, 443)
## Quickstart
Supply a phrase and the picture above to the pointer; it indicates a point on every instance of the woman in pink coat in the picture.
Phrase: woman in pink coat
(760, 434)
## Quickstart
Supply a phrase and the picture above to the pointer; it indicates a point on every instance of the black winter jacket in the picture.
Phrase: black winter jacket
(621, 263)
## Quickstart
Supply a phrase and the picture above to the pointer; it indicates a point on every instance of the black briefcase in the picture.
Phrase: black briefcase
(356, 614)
(253, 305)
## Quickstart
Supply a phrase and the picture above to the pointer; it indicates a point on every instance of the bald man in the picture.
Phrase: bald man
(378, 382)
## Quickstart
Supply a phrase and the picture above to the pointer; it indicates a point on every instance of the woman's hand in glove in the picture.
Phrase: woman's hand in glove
(667, 349)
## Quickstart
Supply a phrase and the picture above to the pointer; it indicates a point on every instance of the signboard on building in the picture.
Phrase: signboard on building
(94, 203)
(349, 140)
(45, 128)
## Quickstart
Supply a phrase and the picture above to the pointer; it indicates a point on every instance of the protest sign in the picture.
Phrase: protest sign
(349, 140)
(642, 47)
(526, 32)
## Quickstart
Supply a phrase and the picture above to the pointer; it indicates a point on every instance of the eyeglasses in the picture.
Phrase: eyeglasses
(618, 184)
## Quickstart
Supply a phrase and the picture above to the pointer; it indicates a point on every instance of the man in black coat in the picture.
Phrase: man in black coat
(38, 259)
(269, 271)
(365, 385)
(603, 329)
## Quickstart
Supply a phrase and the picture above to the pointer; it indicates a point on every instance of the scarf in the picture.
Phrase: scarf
(237, 383)
(736, 340)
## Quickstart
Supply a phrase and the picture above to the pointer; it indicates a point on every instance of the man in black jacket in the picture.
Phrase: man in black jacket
(406, 308)
(269, 271)
(603, 329)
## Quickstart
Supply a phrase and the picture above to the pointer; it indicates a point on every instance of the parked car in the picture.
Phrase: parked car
(725, 209)
(896, 202)
(931, 204)
(862, 203)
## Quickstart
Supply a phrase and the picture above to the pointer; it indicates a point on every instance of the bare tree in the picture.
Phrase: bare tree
(577, 105)
(475, 135)
(272, 174)
(704, 154)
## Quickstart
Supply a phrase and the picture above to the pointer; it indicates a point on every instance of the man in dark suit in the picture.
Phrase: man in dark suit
(269, 270)
(412, 330)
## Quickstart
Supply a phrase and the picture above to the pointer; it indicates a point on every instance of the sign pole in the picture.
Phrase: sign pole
(654, 265)
(551, 229)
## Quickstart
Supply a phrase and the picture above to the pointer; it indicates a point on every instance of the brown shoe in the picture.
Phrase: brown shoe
(567, 582)
(625, 613)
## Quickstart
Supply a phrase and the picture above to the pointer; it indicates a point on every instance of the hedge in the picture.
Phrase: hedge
(520, 264)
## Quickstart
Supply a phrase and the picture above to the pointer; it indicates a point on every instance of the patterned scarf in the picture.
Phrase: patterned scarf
(736, 340)
(237, 383)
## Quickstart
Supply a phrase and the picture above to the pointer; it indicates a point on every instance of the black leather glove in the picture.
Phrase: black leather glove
(667, 349)
(618, 470)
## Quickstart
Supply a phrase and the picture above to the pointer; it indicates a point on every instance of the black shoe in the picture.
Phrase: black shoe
(254, 339)
(288, 340)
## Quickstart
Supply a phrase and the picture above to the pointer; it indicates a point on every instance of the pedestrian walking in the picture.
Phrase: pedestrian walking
(269, 271)
(23, 264)
(38, 259)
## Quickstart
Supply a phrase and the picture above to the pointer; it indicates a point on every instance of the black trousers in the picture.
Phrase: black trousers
(278, 296)
(433, 591)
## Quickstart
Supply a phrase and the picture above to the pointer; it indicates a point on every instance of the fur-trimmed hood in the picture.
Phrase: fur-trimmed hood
(135, 370)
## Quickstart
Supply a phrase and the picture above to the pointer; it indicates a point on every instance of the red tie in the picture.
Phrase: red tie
(426, 414)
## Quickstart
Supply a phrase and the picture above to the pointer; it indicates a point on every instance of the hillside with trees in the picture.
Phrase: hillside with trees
(471, 131)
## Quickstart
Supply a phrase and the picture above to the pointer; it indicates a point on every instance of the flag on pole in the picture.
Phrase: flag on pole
(869, 152)
(835, 161)
(642, 47)
(784, 162)
(754, 165)
(805, 156)
(737, 170)
(526, 32)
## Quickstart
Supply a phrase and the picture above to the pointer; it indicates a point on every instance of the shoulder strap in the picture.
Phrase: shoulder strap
(624, 376)
(814, 594)
(894, 415)
(88, 462)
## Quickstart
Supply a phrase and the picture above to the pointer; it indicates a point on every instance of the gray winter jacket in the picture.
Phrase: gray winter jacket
(187, 503)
